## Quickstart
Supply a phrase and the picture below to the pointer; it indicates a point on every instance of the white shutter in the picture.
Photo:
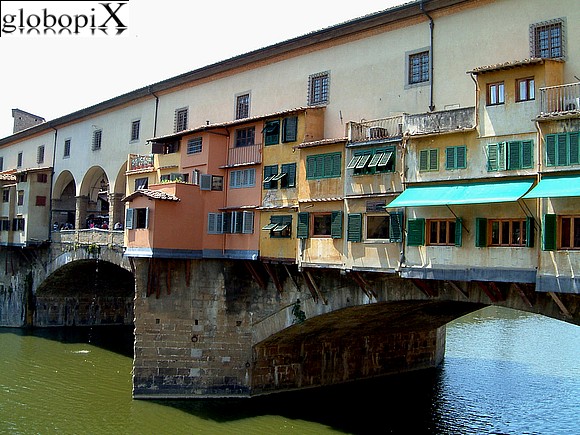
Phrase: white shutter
(205, 182)
(129, 218)
(248, 222)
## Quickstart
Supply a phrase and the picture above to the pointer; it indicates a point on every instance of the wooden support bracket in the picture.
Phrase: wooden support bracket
(523, 294)
(561, 305)
(253, 269)
(491, 289)
(363, 285)
(272, 273)
(457, 288)
(314, 290)
(425, 286)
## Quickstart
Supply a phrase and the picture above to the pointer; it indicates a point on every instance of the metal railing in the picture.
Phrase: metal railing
(558, 99)
(245, 155)
(376, 129)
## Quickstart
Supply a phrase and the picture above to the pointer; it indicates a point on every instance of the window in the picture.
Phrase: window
(563, 149)
(174, 177)
(378, 227)
(18, 224)
(137, 218)
(510, 155)
(5, 224)
(323, 166)
(525, 89)
(23, 177)
(5, 195)
(215, 223)
(272, 132)
(235, 222)
(42, 178)
(217, 182)
(418, 67)
(495, 94)
(1, 163)
(290, 129)
(429, 160)
(66, 151)
(441, 232)
(40, 154)
(280, 226)
(141, 183)
(507, 232)
(456, 157)
(270, 177)
(245, 137)
(373, 161)
(165, 147)
(19, 160)
(288, 175)
(320, 224)
(97, 139)
(569, 232)
(242, 106)
(135, 125)
(318, 87)
(195, 177)
(354, 227)
(547, 39)
(194, 145)
(41, 201)
(504, 232)
(243, 178)
(180, 119)
(20, 200)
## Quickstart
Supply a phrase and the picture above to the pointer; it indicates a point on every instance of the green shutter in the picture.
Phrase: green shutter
(458, 231)
(514, 161)
(416, 232)
(480, 232)
(354, 227)
(461, 157)
(551, 150)
(450, 158)
(530, 232)
(336, 225)
(549, 233)
(574, 139)
(562, 158)
(492, 157)
(303, 222)
(527, 154)
(272, 132)
(396, 227)
(290, 129)
(423, 159)
(310, 167)
(433, 160)
(290, 179)
(336, 164)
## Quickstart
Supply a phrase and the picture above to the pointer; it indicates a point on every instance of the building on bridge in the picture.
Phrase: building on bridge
(410, 153)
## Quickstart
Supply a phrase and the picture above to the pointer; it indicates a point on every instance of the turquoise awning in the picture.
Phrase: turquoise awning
(457, 194)
(556, 187)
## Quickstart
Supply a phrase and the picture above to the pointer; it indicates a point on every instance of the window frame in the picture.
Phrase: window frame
(181, 119)
(550, 51)
(495, 94)
(194, 145)
(317, 165)
(418, 67)
(66, 149)
(40, 154)
(573, 227)
(135, 130)
(243, 178)
(319, 88)
(430, 158)
(242, 109)
(529, 93)
(453, 157)
(499, 240)
(97, 140)
(450, 236)
(245, 137)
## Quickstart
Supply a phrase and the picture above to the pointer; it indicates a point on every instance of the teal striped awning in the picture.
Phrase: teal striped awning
(457, 194)
(556, 187)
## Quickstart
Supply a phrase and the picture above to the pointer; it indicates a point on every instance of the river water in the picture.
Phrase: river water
(505, 372)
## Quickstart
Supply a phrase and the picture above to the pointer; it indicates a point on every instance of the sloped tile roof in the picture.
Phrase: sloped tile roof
(153, 194)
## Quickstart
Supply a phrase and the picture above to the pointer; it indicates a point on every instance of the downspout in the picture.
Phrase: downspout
(156, 110)
(476, 104)
(51, 185)
(432, 79)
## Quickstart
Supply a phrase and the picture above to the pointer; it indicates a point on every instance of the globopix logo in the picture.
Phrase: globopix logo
(53, 18)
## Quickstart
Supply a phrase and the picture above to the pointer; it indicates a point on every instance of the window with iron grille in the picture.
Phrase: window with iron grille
(194, 145)
(66, 151)
(180, 119)
(547, 39)
(418, 66)
(318, 88)
(245, 137)
(40, 154)
(242, 106)
(135, 125)
(97, 139)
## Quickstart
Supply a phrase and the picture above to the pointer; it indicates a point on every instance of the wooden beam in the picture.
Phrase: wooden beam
(523, 294)
(457, 288)
(272, 272)
(292, 277)
(492, 291)
(314, 290)
(363, 285)
(425, 287)
(560, 304)
(253, 269)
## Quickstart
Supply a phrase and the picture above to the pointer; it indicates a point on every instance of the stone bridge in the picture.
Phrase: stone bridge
(214, 328)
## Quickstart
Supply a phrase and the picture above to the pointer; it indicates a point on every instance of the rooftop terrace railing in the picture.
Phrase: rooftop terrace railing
(384, 128)
(560, 99)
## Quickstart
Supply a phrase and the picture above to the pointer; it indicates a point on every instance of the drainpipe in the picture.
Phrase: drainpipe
(51, 185)
(156, 109)
(431, 26)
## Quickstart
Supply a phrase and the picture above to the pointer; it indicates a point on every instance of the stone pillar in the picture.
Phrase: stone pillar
(116, 209)
(82, 203)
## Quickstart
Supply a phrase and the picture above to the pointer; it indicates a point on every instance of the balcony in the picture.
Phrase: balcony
(138, 162)
(560, 100)
(444, 121)
(245, 155)
(378, 129)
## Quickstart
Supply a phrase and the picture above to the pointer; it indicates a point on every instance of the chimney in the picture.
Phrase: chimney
(24, 120)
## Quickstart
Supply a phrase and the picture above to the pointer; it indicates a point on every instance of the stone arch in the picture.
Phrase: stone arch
(64, 200)
(92, 206)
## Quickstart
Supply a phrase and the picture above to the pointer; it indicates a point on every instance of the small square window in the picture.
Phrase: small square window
(245, 137)
(418, 67)
(525, 89)
(547, 39)
(194, 145)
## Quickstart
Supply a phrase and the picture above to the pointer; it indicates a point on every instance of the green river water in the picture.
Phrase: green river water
(505, 372)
